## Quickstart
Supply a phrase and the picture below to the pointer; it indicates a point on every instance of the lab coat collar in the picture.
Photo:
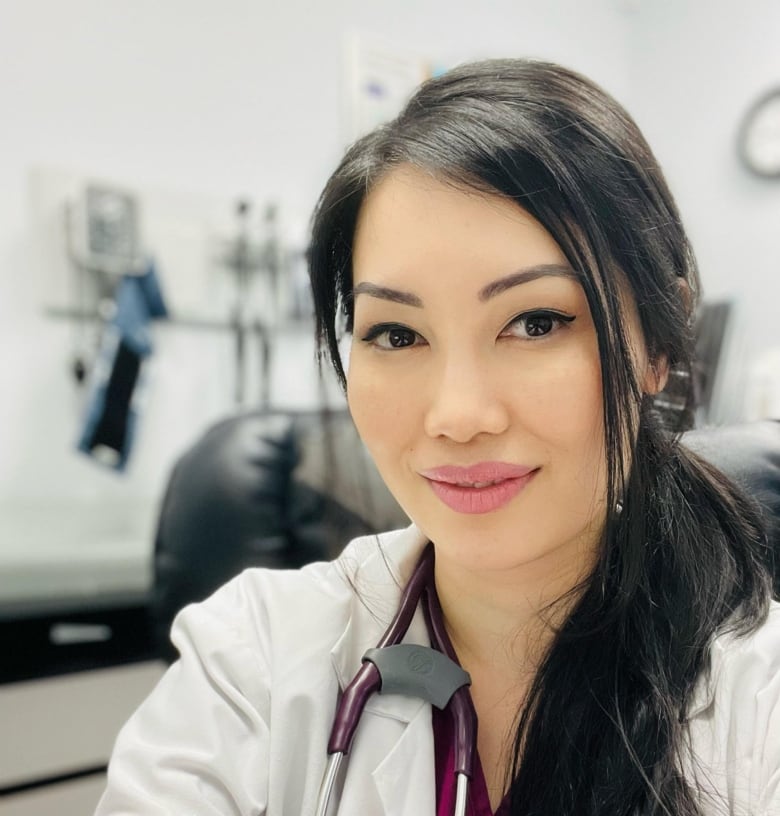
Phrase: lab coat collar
(388, 560)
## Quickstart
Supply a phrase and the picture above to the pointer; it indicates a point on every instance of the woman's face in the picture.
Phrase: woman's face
(474, 376)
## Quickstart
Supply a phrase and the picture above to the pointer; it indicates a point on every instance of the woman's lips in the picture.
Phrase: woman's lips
(479, 488)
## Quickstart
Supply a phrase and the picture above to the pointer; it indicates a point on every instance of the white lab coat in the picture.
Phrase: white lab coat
(240, 724)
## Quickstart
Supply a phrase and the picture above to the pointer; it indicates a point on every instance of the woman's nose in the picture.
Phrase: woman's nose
(466, 399)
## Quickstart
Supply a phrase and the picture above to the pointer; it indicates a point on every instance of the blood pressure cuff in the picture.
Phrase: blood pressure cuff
(117, 379)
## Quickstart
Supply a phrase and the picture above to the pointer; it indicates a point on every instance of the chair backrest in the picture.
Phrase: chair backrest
(278, 489)
(271, 489)
(750, 455)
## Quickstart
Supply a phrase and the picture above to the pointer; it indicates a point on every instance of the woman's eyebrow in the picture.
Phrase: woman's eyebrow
(526, 275)
(492, 289)
(386, 293)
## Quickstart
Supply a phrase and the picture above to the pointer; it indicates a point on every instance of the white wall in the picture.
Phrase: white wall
(696, 66)
(215, 98)
(210, 100)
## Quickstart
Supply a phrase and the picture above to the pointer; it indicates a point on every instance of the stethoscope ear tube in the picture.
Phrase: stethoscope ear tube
(363, 685)
(461, 794)
(326, 788)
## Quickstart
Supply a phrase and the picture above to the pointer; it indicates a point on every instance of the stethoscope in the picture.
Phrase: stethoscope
(431, 674)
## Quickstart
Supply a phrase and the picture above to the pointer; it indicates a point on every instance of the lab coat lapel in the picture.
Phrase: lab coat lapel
(405, 778)
(393, 749)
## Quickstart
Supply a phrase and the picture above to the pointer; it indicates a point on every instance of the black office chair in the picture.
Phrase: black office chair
(272, 489)
(750, 455)
(278, 489)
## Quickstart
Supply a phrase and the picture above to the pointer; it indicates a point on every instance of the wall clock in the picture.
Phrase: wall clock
(759, 136)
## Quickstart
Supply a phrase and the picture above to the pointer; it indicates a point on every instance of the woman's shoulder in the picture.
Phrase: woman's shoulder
(751, 662)
(369, 562)
(315, 601)
(735, 720)
(269, 646)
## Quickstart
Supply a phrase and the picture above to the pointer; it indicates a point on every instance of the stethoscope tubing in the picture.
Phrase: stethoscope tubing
(461, 706)
(367, 681)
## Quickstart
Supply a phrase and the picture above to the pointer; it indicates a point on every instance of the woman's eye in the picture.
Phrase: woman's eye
(537, 324)
(391, 337)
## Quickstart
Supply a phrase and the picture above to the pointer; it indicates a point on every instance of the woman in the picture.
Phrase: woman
(510, 269)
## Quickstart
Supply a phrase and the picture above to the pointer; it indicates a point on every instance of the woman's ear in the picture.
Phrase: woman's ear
(686, 295)
(656, 375)
(657, 369)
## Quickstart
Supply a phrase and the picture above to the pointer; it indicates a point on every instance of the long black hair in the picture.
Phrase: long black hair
(603, 730)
